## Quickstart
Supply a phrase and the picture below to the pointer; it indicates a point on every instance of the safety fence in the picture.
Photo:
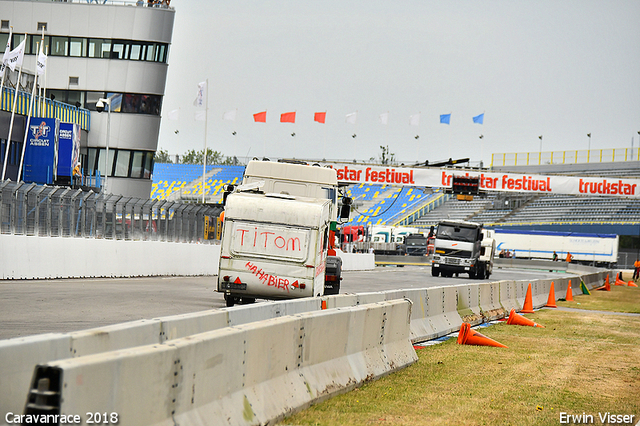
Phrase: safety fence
(611, 155)
(44, 108)
(249, 364)
(40, 210)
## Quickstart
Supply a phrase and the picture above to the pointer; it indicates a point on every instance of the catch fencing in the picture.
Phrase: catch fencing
(54, 211)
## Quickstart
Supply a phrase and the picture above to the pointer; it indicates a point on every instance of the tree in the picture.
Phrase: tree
(213, 157)
(386, 157)
(162, 156)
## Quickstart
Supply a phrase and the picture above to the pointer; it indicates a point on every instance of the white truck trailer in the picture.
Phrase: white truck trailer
(598, 249)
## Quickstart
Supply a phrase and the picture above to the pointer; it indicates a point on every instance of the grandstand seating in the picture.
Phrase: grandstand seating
(389, 203)
(186, 180)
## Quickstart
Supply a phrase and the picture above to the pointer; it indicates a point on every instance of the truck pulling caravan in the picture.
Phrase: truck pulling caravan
(277, 234)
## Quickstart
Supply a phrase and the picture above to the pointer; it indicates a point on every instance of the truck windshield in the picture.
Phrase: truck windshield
(416, 240)
(456, 233)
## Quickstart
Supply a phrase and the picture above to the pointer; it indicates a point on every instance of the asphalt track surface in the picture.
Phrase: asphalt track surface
(29, 307)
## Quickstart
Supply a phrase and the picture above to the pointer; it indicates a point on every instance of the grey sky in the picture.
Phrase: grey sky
(556, 68)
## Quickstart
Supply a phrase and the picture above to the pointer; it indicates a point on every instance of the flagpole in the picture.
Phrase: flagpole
(38, 103)
(13, 114)
(26, 131)
(204, 156)
(4, 66)
(43, 99)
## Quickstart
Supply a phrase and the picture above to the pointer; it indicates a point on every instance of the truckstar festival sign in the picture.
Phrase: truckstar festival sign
(489, 181)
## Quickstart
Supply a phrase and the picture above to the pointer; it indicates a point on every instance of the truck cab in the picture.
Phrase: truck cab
(460, 248)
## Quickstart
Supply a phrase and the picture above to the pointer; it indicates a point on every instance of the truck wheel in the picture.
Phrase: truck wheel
(472, 274)
(435, 272)
(231, 300)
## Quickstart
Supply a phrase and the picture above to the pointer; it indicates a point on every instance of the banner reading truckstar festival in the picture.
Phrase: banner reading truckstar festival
(489, 181)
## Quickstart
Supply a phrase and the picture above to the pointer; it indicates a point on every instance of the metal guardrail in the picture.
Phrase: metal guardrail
(565, 157)
(54, 211)
(44, 108)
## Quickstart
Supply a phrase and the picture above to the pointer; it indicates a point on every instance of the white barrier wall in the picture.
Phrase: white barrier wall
(251, 374)
(23, 257)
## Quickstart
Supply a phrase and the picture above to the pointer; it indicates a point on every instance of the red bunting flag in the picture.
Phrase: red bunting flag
(320, 117)
(288, 117)
(260, 117)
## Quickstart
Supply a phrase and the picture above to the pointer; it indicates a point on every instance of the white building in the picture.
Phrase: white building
(114, 50)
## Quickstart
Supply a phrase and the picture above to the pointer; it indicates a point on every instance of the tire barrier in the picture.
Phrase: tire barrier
(255, 373)
(435, 312)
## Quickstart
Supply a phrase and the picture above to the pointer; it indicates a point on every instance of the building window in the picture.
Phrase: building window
(77, 47)
(59, 46)
(4, 25)
(122, 163)
(98, 48)
(42, 26)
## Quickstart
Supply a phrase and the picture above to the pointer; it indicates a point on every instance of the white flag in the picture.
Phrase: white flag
(41, 63)
(14, 58)
(201, 116)
(230, 115)
(200, 97)
(7, 49)
(414, 119)
(174, 115)
(384, 118)
(351, 118)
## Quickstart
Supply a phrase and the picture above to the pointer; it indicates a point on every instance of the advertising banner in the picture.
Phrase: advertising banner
(41, 151)
(68, 148)
(489, 181)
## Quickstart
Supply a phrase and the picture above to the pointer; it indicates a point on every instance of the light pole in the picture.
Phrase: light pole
(100, 108)
(589, 148)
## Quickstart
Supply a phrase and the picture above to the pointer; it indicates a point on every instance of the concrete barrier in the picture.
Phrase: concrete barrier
(357, 261)
(490, 305)
(48, 257)
(19, 356)
(469, 303)
(251, 374)
(509, 295)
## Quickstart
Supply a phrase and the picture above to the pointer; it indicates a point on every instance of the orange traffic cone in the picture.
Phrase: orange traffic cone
(551, 301)
(619, 280)
(632, 284)
(467, 336)
(606, 286)
(569, 296)
(515, 319)
(528, 302)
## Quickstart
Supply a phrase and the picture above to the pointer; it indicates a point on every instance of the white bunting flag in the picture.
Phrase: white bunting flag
(384, 118)
(230, 115)
(174, 115)
(414, 119)
(351, 118)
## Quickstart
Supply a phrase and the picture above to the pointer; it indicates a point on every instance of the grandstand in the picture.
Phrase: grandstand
(184, 181)
(384, 205)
